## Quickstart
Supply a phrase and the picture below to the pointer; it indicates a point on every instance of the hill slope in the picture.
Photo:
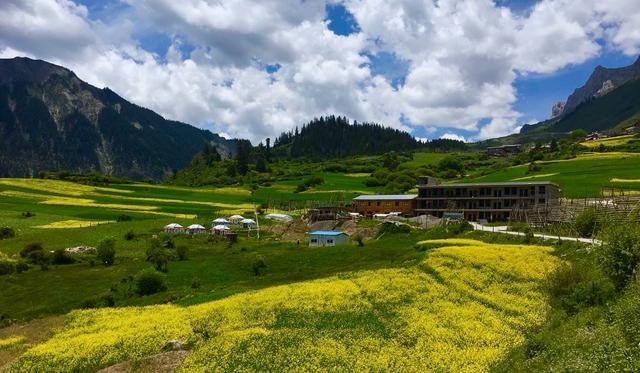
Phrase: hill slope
(429, 316)
(51, 120)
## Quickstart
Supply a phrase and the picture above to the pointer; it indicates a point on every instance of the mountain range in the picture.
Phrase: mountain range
(50, 120)
(608, 101)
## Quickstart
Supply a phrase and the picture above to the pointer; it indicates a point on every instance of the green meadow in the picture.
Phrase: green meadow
(583, 176)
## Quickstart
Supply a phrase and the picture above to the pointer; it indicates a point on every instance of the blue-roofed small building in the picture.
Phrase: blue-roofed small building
(372, 204)
(327, 238)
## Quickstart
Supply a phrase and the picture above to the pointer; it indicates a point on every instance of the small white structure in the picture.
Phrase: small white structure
(236, 219)
(196, 229)
(280, 217)
(173, 228)
(380, 216)
(327, 238)
(248, 223)
(221, 221)
(221, 229)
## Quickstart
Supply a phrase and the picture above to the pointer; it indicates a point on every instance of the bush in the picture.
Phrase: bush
(358, 239)
(258, 266)
(158, 255)
(393, 228)
(149, 281)
(35, 254)
(130, 235)
(586, 223)
(124, 217)
(579, 287)
(534, 167)
(28, 214)
(195, 283)
(61, 257)
(106, 251)
(7, 267)
(459, 227)
(182, 252)
(619, 254)
(7, 232)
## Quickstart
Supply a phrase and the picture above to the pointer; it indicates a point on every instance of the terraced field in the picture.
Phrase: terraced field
(461, 308)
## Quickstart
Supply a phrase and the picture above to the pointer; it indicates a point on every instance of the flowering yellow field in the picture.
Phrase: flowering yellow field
(11, 341)
(67, 224)
(460, 309)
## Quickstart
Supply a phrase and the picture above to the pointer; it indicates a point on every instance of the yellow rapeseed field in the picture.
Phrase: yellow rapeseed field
(460, 309)
(11, 341)
(65, 224)
(57, 186)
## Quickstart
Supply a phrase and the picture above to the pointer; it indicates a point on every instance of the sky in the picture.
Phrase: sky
(469, 70)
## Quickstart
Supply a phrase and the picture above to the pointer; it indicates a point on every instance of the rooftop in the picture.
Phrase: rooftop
(487, 184)
(376, 197)
(326, 233)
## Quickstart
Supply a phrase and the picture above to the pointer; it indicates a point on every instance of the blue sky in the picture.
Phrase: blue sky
(254, 68)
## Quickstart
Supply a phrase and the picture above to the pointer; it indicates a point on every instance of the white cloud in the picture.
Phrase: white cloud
(463, 57)
(453, 136)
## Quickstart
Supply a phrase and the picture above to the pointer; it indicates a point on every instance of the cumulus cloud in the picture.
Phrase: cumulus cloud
(461, 57)
(453, 136)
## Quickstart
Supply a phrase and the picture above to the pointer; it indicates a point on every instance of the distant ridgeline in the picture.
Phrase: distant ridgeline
(50, 120)
(608, 101)
(335, 137)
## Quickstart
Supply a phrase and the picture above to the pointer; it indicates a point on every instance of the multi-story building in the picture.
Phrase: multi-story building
(489, 201)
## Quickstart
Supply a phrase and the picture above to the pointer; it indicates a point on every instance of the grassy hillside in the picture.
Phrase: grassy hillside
(460, 309)
(583, 176)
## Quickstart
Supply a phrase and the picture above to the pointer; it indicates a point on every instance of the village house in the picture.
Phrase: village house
(504, 150)
(327, 238)
(369, 205)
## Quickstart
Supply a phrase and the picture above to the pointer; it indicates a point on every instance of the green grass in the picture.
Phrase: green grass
(583, 176)
(609, 141)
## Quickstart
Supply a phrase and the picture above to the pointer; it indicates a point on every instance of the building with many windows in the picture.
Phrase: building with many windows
(488, 201)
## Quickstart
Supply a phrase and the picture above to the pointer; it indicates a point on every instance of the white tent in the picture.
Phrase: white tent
(221, 221)
(280, 217)
(173, 228)
(248, 223)
(236, 219)
(196, 229)
(221, 229)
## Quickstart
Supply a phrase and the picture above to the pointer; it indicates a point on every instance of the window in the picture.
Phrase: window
(397, 203)
(369, 203)
(378, 203)
(540, 200)
(314, 240)
(542, 189)
(329, 241)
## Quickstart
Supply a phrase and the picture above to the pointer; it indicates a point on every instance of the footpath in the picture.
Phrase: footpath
(504, 230)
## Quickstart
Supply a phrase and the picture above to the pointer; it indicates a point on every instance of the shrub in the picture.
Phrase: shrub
(358, 239)
(195, 283)
(578, 287)
(28, 214)
(123, 217)
(459, 227)
(21, 266)
(7, 232)
(130, 235)
(61, 257)
(158, 255)
(149, 281)
(393, 228)
(534, 167)
(258, 266)
(34, 253)
(619, 254)
(182, 252)
(586, 223)
(106, 251)
(7, 267)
